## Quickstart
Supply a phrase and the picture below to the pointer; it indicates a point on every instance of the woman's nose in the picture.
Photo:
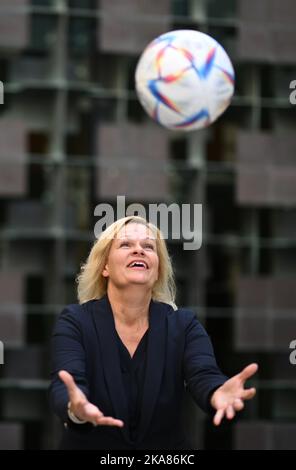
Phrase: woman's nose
(138, 249)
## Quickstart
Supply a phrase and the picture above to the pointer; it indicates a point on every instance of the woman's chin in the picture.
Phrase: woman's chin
(139, 280)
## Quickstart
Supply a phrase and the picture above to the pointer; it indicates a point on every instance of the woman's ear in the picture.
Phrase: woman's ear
(105, 272)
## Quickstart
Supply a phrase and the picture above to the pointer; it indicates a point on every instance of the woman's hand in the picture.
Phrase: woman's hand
(82, 408)
(229, 398)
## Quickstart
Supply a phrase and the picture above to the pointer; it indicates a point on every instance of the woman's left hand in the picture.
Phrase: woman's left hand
(229, 398)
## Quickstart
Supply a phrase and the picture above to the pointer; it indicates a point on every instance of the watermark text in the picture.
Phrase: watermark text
(292, 356)
(1, 93)
(293, 93)
(1, 353)
(177, 222)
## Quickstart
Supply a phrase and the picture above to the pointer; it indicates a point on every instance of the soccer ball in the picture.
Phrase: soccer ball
(184, 80)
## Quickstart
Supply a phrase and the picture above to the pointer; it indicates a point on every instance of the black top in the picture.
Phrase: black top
(133, 373)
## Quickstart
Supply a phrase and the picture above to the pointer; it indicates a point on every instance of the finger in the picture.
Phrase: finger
(238, 404)
(109, 421)
(218, 416)
(248, 394)
(248, 371)
(230, 412)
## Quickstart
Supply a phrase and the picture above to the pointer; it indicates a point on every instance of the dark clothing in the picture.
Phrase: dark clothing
(133, 374)
(179, 354)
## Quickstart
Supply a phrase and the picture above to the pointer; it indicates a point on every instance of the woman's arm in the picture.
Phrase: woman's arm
(201, 372)
(67, 353)
(211, 389)
(69, 387)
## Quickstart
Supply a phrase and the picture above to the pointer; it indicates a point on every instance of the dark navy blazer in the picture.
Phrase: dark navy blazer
(179, 355)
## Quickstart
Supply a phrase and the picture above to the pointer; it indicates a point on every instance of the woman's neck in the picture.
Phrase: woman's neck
(130, 307)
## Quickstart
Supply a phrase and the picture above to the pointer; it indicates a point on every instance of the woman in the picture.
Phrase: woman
(123, 356)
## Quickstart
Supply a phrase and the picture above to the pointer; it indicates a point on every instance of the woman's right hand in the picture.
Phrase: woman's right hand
(82, 408)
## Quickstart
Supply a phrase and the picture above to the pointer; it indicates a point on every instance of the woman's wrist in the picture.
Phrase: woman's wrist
(72, 416)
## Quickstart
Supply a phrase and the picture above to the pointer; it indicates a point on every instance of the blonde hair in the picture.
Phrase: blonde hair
(93, 285)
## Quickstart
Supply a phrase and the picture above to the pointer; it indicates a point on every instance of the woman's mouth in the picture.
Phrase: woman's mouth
(138, 265)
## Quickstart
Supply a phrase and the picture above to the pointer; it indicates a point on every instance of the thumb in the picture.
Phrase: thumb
(68, 381)
(248, 371)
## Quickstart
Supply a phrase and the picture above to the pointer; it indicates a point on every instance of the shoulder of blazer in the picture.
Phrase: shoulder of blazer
(190, 323)
(182, 316)
(186, 314)
(78, 309)
(77, 313)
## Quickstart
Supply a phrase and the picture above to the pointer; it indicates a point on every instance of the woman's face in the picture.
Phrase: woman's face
(133, 258)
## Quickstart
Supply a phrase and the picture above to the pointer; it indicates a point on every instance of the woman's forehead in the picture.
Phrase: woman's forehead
(136, 231)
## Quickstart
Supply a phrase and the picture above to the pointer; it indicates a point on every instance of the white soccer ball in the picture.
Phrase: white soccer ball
(184, 80)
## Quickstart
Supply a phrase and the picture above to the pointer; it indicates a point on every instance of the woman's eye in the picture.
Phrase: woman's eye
(124, 244)
(151, 247)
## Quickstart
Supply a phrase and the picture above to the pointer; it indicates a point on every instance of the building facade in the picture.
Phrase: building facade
(73, 135)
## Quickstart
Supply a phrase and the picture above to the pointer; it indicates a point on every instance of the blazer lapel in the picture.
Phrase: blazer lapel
(155, 363)
(105, 327)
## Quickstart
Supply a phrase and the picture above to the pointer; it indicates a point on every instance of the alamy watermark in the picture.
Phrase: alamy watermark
(293, 93)
(1, 353)
(292, 356)
(1, 93)
(175, 221)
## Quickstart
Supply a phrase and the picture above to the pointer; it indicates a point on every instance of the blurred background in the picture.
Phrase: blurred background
(72, 135)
